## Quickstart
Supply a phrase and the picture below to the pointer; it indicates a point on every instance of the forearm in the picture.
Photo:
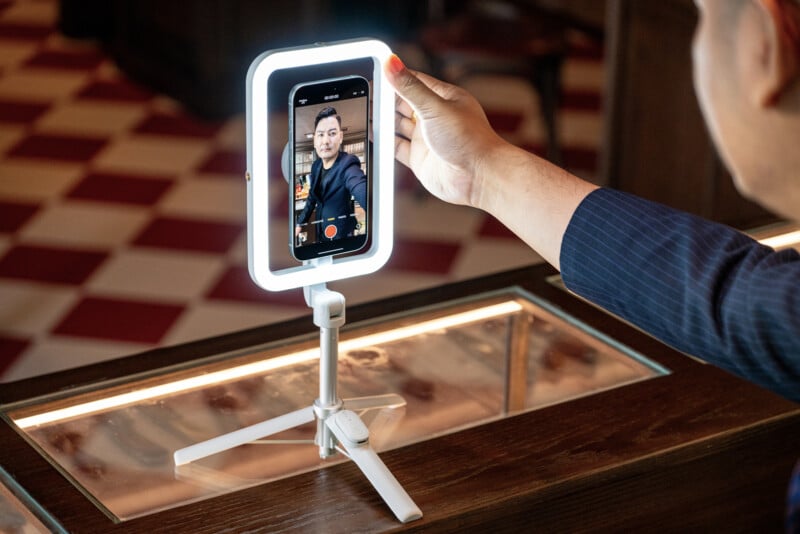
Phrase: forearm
(702, 287)
(305, 214)
(532, 197)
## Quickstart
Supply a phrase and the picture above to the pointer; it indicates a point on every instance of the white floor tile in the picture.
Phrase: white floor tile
(85, 224)
(580, 129)
(156, 275)
(238, 252)
(217, 199)
(210, 318)
(10, 135)
(34, 180)
(57, 353)
(423, 216)
(13, 54)
(582, 74)
(29, 308)
(36, 84)
(486, 256)
(233, 134)
(90, 118)
(38, 13)
(503, 93)
(5, 243)
(152, 154)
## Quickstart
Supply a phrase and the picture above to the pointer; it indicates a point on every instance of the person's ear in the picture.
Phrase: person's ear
(772, 50)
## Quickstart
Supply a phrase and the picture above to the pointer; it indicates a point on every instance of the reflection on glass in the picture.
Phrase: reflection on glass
(457, 366)
(18, 517)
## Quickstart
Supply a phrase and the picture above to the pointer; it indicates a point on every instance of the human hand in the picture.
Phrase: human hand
(442, 134)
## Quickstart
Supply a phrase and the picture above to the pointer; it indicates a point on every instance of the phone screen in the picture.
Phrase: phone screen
(329, 189)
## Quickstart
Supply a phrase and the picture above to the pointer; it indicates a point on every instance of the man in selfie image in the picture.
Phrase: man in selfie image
(336, 178)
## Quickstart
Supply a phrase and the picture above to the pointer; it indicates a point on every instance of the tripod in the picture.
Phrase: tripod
(339, 428)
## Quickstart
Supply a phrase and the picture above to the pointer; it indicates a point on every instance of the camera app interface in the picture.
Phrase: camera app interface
(330, 193)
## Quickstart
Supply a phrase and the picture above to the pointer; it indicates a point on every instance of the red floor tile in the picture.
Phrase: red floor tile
(21, 112)
(58, 147)
(434, 257)
(236, 284)
(181, 125)
(581, 101)
(231, 162)
(587, 50)
(404, 179)
(42, 264)
(62, 59)
(504, 121)
(10, 350)
(580, 158)
(279, 207)
(118, 188)
(491, 227)
(28, 32)
(184, 234)
(115, 91)
(119, 320)
(14, 215)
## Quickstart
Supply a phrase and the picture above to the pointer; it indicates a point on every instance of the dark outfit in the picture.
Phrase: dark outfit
(331, 195)
(700, 286)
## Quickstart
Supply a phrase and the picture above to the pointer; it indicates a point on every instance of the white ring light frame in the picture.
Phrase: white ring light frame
(258, 214)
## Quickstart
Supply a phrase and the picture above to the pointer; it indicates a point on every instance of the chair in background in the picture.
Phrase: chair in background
(507, 37)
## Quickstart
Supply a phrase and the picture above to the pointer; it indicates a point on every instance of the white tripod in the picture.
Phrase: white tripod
(337, 424)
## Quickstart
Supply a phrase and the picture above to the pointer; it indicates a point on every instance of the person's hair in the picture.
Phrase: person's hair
(325, 113)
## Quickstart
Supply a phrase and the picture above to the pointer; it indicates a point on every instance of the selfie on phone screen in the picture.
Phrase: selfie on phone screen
(330, 189)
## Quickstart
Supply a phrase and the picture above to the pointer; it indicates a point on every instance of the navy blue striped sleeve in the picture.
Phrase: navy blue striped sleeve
(702, 287)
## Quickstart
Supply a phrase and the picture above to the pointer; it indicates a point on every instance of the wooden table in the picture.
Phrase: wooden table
(697, 449)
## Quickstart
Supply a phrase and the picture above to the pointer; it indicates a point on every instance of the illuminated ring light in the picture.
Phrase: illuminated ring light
(328, 268)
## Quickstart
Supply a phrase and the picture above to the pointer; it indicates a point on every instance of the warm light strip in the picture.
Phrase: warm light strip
(241, 371)
(782, 240)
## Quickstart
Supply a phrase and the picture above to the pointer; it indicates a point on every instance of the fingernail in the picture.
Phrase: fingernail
(395, 64)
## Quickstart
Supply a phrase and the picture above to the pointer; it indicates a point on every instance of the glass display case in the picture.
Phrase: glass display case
(441, 368)
(779, 236)
(19, 514)
(513, 404)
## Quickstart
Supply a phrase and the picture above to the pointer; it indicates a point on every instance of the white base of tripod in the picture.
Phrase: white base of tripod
(337, 423)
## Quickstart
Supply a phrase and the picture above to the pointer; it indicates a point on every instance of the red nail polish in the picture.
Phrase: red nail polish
(395, 64)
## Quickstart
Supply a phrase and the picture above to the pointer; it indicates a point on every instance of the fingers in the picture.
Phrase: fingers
(403, 108)
(402, 151)
(411, 87)
(404, 125)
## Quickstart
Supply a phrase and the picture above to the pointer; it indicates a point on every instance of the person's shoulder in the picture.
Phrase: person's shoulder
(349, 163)
(348, 159)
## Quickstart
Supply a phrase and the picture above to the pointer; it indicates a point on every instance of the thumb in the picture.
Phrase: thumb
(410, 87)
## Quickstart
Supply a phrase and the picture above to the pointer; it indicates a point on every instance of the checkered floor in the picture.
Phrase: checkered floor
(122, 216)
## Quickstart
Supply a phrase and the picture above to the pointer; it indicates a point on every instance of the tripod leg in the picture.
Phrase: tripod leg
(243, 435)
(353, 435)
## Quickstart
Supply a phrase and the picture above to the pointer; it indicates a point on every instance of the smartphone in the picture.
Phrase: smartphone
(329, 193)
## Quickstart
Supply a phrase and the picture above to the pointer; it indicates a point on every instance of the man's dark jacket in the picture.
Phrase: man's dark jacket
(332, 199)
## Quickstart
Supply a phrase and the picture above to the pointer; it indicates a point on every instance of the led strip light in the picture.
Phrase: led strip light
(241, 371)
(782, 240)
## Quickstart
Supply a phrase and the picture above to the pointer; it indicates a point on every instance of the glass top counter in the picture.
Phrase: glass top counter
(442, 368)
(19, 514)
